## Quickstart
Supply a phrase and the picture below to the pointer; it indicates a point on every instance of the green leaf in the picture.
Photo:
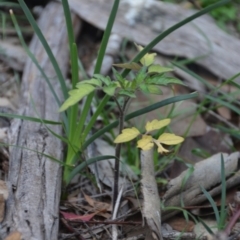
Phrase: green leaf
(84, 164)
(110, 89)
(163, 80)
(127, 135)
(158, 69)
(148, 58)
(143, 88)
(140, 76)
(126, 84)
(93, 81)
(117, 75)
(132, 66)
(127, 93)
(154, 89)
(76, 95)
(105, 80)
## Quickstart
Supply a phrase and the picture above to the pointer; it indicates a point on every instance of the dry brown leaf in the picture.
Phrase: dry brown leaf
(137, 203)
(3, 197)
(14, 236)
(215, 141)
(2, 207)
(224, 112)
(3, 189)
(3, 134)
(181, 225)
(4, 102)
(100, 206)
(102, 214)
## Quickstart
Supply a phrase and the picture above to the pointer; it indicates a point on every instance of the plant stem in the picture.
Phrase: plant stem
(118, 149)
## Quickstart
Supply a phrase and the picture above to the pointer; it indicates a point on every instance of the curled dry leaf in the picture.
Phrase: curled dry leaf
(14, 236)
(3, 197)
(100, 206)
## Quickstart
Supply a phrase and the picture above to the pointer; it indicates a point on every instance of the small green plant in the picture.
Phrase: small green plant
(149, 78)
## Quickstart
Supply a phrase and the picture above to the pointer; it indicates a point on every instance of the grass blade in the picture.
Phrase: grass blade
(101, 54)
(94, 116)
(223, 213)
(9, 4)
(37, 64)
(45, 45)
(32, 119)
(84, 164)
(223, 103)
(32, 150)
(106, 36)
(213, 204)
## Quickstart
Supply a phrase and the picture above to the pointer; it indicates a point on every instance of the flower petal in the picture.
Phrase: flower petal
(155, 124)
(127, 135)
(170, 139)
(145, 143)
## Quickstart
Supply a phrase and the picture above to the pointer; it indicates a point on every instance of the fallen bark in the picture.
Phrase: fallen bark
(35, 180)
(141, 22)
(207, 173)
(151, 206)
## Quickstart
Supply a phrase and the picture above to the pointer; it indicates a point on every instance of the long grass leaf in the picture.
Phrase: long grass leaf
(94, 116)
(223, 212)
(106, 36)
(9, 4)
(31, 119)
(84, 164)
(53, 60)
(32, 150)
(37, 64)
(209, 85)
(206, 226)
(223, 103)
(74, 109)
(102, 49)
(213, 204)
